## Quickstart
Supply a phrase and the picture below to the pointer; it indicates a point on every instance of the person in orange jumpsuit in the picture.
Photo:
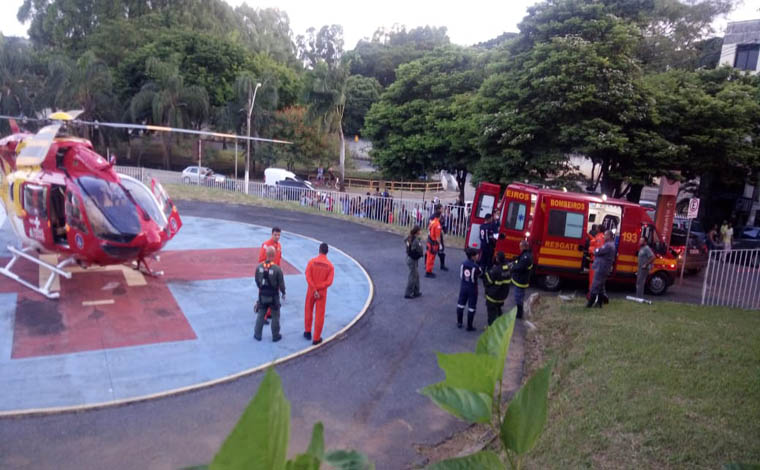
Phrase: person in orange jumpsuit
(274, 242)
(319, 276)
(597, 241)
(433, 242)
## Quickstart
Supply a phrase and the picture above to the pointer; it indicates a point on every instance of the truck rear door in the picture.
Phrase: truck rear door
(561, 243)
(485, 203)
(516, 213)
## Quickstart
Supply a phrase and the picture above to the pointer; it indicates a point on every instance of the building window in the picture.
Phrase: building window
(746, 56)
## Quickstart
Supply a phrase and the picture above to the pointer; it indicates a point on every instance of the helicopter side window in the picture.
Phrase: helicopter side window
(35, 200)
(74, 213)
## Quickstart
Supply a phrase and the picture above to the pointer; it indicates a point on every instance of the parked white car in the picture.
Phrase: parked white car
(202, 175)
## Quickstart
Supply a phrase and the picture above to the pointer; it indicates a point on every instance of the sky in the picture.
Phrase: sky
(467, 22)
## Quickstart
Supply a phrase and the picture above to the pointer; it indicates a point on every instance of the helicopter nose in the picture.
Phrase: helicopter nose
(152, 241)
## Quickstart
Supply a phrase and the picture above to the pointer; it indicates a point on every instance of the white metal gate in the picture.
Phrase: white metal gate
(732, 279)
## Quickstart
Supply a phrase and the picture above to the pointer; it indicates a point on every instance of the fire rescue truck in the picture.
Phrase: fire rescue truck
(557, 222)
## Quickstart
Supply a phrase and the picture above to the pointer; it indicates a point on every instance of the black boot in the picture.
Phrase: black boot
(599, 301)
(460, 314)
(591, 300)
(605, 299)
(470, 318)
(442, 256)
(519, 312)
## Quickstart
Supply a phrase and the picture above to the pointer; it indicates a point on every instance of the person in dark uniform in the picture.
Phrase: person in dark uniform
(445, 220)
(496, 282)
(469, 273)
(487, 242)
(414, 252)
(271, 283)
(521, 275)
(604, 259)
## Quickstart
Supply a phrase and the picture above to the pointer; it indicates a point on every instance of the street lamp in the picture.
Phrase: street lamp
(248, 151)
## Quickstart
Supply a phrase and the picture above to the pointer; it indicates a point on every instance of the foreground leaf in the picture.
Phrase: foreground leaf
(260, 438)
(348, 460)
(495, 341)
(468, 371)
(303, 462)
(485, 460)
(526, 414)
(317, 444)
(474, 407)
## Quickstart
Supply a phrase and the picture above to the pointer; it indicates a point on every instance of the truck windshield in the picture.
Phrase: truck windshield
(111, 213)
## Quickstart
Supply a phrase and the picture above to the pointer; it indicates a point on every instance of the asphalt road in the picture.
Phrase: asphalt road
(363, 386)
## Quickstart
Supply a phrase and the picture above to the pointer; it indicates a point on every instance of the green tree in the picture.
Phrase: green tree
(325, 87)
(323, 45)
(571, 85)
(361, 92)
(311, 146)
(424, 121)
(267, 31)
(380, 57)
(714, 115)
(167, 100)
(17, 78)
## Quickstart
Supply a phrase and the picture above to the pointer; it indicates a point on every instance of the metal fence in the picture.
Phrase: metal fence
(388, 210)
(732, 279)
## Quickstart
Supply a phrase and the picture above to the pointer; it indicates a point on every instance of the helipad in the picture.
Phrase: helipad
(116, 336)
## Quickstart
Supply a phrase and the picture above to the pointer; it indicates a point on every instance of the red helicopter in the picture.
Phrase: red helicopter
(61, 197)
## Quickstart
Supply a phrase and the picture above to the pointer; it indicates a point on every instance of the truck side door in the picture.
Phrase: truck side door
(564, 232)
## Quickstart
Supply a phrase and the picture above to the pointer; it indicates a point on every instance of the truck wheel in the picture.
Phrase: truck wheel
(551, 282)
(657, 284)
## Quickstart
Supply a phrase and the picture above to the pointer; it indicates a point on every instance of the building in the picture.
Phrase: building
(741, 45)
(741, 50)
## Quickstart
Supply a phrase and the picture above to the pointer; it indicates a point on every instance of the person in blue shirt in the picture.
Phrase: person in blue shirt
(469, 273)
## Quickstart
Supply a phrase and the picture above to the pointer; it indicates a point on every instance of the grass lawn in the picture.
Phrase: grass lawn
(200, 193)
(666, 385)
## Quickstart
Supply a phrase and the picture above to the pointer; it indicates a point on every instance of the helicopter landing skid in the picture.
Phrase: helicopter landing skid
(55, 270)
(145, 269)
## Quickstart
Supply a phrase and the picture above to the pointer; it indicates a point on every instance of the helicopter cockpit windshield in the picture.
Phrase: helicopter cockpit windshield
(147, 201)
(111, 213)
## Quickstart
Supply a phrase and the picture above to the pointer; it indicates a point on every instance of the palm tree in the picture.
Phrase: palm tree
(326, 95)
(17, 82)
(86, 84)
(167, 100)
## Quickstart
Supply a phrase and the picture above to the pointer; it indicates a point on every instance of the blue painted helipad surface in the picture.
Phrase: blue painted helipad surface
(209, 338)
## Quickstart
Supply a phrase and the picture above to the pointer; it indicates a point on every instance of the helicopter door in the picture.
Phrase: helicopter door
(36, 221)
(76, 228)
(58, 214)
(167, 206)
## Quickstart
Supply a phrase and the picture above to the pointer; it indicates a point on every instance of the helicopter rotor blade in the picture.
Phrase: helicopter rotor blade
(146, 127)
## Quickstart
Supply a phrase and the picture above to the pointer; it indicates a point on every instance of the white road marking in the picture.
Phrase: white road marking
(91, 303)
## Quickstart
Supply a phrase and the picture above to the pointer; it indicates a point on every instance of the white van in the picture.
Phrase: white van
(282, 177)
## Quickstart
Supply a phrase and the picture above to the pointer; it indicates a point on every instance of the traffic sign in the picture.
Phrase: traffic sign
(693, 208)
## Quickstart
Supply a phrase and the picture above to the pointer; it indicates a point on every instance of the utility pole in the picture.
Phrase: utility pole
(248, 151)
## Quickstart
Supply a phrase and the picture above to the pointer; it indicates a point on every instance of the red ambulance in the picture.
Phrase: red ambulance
(556, 223)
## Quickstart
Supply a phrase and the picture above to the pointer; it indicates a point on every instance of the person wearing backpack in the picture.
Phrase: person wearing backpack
(496, 282)
(414, 252)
